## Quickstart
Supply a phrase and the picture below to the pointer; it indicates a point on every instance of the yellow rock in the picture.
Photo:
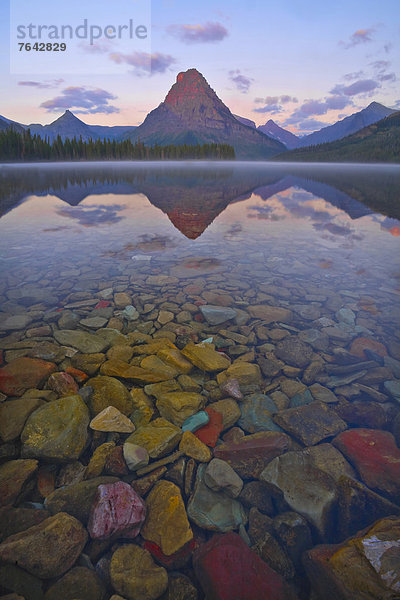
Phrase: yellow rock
(158, 389)
(178, 406)
(98, 460)
(155, 364)
(194, 448)
(143, 409)
(175, 358)
(205, 357)
(108, 391)
(111, 419)
(154, 346)
(166, 522)
(159, 437)
(135, 575)
(119, 368)
(245, 373)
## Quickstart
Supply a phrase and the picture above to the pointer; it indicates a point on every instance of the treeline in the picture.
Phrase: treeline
(16, 146)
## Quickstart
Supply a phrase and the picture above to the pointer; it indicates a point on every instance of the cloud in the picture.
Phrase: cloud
(304, 126)
(310, 125)
(380, 65)
(385, 77)
(361, 36)
(273, 109)
(53, 83)
(198, 34)
(242, 82)
(275, 99)
(91, 216)
(272, 104)
(362, 86)
(320, 107)
(145, 62)
(353, 76)
(82, 101)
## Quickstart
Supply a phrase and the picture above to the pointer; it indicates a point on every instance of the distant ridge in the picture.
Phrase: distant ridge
(379, 142)
(371, 114)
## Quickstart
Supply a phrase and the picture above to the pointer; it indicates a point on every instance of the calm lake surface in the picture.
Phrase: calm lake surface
(318, 243)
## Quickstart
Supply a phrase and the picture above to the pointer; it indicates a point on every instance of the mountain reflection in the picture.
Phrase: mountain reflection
(192, 196)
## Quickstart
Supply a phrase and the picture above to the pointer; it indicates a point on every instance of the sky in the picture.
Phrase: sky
(303, 63)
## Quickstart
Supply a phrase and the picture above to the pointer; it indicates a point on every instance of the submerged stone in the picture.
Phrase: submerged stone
(24, 373)
(135, 575)
(56, 431)
(60, 539)
(227, 569)
(166, 522)
(117, 511)
(214, 510)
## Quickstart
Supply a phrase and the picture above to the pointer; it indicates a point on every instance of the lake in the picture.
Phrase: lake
(279, 284)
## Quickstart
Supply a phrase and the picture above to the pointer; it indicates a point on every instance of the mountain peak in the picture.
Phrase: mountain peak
(189, 84)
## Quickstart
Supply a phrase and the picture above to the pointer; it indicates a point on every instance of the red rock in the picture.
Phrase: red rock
(249, 455)
(227, 569)
(209, 434)
(376, 457)
(173, 561)
(78, 375)
(360, 344)
(115, 463)
(117, 511)
(24, 373)
(62, 384)
(199, 317)
(103, 304)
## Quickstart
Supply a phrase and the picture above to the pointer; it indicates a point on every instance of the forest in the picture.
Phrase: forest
(15, 146)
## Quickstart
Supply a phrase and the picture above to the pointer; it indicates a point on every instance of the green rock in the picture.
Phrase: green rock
(214, 511)
(108, 391)
(57, 431)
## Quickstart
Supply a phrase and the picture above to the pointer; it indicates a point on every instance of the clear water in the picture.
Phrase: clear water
(327, 228)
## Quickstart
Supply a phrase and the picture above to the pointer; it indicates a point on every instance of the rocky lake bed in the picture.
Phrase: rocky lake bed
(213, 419)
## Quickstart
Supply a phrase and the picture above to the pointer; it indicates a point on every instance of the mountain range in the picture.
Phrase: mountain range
(69, 126)
(371, 114)
(379, 142)
(192, 113)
